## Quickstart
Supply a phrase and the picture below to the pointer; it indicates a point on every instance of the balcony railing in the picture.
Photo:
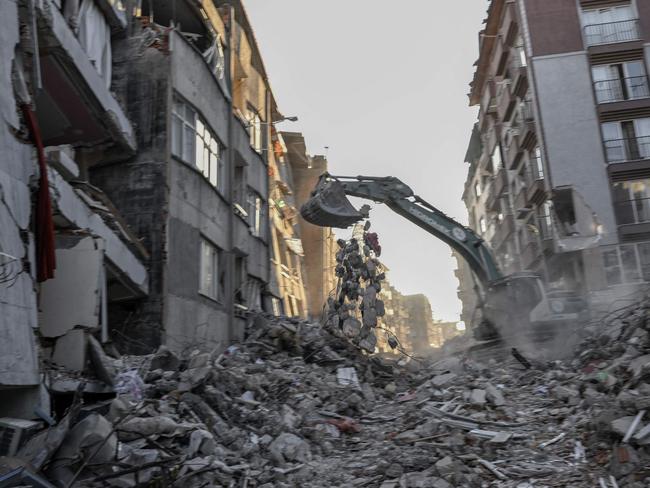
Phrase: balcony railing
(632, 211)
(612, 32)
(628, 149)
(622, 89)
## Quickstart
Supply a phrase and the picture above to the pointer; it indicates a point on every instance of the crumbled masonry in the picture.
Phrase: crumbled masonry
(296, 405)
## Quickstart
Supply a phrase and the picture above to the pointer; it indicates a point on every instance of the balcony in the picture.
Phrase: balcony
(500, 182)
(612, 32)
(536, 193)
(628, 149)
(619, 90)
(518, 67)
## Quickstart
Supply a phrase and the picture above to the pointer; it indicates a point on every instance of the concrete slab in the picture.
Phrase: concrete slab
(72, 298)
(70, 350)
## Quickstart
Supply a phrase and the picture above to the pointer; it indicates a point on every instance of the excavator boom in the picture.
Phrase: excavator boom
(330, 207)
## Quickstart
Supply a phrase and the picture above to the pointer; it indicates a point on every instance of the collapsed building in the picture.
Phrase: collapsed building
(134, 195)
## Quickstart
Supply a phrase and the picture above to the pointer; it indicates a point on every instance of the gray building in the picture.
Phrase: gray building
(559, 175)
(134, 188)
(197, 191)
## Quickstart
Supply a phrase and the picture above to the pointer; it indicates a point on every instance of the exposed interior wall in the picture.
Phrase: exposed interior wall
(18, 350)
(567, 116)
(138, 186)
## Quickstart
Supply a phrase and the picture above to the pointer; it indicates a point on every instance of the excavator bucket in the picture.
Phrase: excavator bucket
(329, 206)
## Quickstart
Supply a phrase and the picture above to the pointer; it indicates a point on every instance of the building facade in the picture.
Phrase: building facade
(558, 174)
(288, 252)
(319, 243)
(134, 199)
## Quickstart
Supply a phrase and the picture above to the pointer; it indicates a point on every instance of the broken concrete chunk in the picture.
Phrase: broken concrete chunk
(494, 395)
(165, 359)
(102, 364)
(289, 447)
(443, 380)
(446, 466)
(70, 350)
(347, 377)
(477, 397)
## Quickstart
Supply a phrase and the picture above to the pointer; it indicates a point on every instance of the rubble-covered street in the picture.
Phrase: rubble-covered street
(296, 406)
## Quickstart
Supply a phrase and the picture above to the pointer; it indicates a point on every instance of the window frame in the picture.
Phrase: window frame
(204, 139)
(209, 283)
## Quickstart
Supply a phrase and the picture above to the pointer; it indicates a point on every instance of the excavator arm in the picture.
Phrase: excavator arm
(330, 207)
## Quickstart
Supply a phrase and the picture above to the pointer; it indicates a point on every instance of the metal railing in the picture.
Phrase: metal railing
(622, 89)
(628, 149)
(612, 32)
(632, 211)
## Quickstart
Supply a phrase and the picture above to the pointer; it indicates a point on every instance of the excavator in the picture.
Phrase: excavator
(511, 308)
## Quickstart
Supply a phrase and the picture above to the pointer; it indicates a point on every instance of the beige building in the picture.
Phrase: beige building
(288, 252)
(319, 243)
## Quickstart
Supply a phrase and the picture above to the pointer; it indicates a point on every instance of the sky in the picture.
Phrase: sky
(383, 84)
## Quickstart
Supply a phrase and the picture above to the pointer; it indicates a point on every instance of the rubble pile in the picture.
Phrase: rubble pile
(262, 413)
(294, 405)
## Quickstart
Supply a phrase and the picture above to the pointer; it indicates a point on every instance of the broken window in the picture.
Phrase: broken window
(255, 129)
(564, 207)
(195, 143)
(95, 37)
(209, 273)
(256, 215)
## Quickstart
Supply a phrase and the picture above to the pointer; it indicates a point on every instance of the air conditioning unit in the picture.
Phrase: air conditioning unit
(14, 432)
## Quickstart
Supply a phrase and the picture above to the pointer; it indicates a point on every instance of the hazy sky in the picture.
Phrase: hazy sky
(384, 84)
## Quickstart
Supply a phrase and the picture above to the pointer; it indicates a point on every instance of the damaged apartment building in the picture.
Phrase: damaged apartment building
(134, 191)
(559, 161)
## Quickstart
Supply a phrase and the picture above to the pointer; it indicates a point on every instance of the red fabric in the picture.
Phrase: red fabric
(45, 248)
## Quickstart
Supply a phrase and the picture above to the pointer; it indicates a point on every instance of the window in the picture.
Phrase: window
(627, 263)
(545, 220)
(519, 59)
(209, 273)
(257, 215)
(477, 189)
(610, 24)
(627, 140)
(622, 81)
(632, 201)
(255, 130)
(482, 225)
(196, 144)
(497, 160)
(612, 267)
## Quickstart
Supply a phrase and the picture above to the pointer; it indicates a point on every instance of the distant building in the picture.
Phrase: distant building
(559, 165)
(440, 332)
(420, 321)
(319, 243)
